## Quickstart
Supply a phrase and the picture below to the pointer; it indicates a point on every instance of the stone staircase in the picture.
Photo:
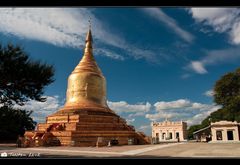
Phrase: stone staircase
(142, 138)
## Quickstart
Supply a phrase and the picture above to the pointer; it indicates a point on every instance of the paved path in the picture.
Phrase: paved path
(116, 151)
(197, 150)
(90, 151)
(171, 150)
(143, 150)
(68, 151)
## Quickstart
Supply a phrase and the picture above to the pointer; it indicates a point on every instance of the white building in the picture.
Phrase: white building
(225, 131)
(169, 131)
(219, 132)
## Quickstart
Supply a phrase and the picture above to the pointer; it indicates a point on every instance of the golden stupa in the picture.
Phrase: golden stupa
(86, 84)
(85, 119)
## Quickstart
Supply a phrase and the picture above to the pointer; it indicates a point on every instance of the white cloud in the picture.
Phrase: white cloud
(160, 115)
(181, 103)
(67, 27)
(209, 93)
(144, 128)
(108, 53)
(124, 107)
(215, 57)
(203, 107)
(235, 33)
(182, 109)
(220, 19)
(185, 76)
(42, 109)
(137, 114)
(214, 16)
(198, 118)
(198, 106)
(221, 56)
(130, 121)
(47, 25)
(198, 67)
(159, 15)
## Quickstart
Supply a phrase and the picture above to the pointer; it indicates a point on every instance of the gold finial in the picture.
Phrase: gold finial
(89, 35)
(89, 21)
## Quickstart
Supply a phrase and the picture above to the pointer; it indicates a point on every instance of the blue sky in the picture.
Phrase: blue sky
(158, 62)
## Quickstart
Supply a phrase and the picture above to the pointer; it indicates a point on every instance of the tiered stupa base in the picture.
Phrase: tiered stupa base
(85, 127)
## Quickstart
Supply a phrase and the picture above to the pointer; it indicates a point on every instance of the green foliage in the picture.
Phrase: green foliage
(226, 94)
(14, 122)
(193, 129)
(204, 123)
(22, 79)
(227, 90)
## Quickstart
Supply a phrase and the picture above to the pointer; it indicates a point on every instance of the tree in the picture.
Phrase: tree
(226, 94)
(193, 129)
(22, 79)
(227, 91)
(14, 122)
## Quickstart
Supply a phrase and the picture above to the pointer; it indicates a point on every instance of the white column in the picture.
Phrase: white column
(174, 136)
(235, 134)
(214, 134)
(224, 135)
(181, 138)
(160, 135)
(167, 135)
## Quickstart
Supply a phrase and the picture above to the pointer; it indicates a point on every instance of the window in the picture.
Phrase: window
(219, 135)
(170, 135)
(230, 135)
(177, 134)
(157, 137)
(163, 136)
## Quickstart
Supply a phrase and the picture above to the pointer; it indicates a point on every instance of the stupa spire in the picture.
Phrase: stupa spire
(89, 40)
(88, 62)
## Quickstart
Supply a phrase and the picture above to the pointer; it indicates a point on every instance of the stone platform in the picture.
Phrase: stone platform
(86, 128)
